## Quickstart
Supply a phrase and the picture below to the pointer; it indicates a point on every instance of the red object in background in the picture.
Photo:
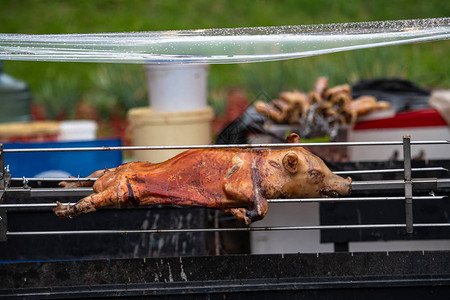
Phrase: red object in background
(38, 138)
(237, 103)
(38, 113)
(417, 118)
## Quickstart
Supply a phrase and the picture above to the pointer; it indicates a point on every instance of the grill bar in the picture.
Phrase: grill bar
(305, 200)
(428, 183)
(354, 172)
(245, 146)
(335, 172)
(352, 199)
(186, 230)
(56, 178)
(50, 192)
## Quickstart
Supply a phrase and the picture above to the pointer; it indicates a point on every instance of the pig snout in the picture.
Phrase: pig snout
(336, 186)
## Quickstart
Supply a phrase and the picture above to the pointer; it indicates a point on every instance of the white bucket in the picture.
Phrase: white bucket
(78, 130)
(174, 88)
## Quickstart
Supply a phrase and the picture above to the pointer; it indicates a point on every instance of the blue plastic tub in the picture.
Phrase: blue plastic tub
(60, 164)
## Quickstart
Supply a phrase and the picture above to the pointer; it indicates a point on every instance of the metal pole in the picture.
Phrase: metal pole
(386, 171)
(240, 146)
(348, 172)
(408, 183)
(185, 230)
(3, 175)
(300, 200)
(419, 184)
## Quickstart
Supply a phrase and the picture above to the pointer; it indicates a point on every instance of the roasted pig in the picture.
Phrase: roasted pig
(235, 180)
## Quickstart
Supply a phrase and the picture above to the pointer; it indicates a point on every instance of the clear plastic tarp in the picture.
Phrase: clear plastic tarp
(218, 46)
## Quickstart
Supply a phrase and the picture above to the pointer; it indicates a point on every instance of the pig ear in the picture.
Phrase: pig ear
(291, 162)
(293, 138)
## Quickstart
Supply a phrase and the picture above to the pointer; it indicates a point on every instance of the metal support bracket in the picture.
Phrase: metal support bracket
(408, 183)
(3, 183)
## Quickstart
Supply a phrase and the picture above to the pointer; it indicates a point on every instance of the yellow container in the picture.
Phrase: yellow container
(149, 128)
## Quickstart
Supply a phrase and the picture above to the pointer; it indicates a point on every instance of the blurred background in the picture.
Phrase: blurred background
(105, 92)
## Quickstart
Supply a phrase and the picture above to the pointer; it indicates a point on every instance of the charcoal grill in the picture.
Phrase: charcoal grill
(187, 273)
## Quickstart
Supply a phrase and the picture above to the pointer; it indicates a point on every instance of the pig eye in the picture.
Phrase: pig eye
(315, 176)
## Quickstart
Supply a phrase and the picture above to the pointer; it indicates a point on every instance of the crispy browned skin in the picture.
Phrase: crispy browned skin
(236, 180)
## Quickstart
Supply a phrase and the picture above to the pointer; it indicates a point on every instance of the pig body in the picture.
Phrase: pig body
(239, 181)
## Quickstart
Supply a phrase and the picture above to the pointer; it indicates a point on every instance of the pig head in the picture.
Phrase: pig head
(281, 173)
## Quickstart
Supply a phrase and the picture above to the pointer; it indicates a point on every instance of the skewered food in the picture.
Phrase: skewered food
(238, 181)
(333, 106)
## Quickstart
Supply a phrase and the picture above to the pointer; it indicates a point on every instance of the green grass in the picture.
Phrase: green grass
(427, 64)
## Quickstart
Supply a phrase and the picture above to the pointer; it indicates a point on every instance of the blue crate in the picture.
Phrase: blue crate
(60, 164)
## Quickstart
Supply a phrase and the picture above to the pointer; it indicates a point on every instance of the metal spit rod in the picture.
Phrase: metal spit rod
(55, 178)
(350, 172)
(181, 147)
(354, 172)
(185, 230)
(427, 183)
(300, 200)
(50, 192)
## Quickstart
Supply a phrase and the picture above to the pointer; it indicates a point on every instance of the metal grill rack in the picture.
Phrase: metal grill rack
(9, 189)
(338, 275)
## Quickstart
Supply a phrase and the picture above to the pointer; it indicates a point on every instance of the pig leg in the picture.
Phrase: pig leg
(88, 183)
(247, 193)
(240, 214)
(87, 204)
(257, 205)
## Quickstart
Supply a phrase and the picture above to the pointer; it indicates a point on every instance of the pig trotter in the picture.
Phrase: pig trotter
(85, 205)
